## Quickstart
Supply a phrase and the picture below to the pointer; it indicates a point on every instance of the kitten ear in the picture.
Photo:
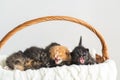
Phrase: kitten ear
(67, 51)
(80, 43)
(20, 51)
(87, 49)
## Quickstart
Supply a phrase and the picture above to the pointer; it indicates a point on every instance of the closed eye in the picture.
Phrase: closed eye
(84, 53)
(17, 62)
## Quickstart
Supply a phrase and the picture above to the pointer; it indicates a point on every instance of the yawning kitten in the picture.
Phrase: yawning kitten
(81, 55)
(59, 55)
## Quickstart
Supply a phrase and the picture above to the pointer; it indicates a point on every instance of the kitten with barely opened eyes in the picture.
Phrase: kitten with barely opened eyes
(81, 55)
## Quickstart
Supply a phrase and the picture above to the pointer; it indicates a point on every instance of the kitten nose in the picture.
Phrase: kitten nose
(56, 55)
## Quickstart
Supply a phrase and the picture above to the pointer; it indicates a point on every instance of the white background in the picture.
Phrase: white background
(104, 15)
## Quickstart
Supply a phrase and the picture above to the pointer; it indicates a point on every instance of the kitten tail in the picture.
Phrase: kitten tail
(80, 43)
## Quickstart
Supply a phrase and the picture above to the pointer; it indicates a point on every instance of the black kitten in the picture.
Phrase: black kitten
(81, 55)
(38, 58)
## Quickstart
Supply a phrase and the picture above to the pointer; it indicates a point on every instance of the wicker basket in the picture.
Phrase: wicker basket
(104, 71)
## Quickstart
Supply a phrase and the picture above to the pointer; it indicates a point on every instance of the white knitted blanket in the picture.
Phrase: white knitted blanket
(103, 71)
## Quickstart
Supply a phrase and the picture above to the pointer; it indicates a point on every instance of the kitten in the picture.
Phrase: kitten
(37, 58)
(16, 61)
(59, 55)
(81, 55)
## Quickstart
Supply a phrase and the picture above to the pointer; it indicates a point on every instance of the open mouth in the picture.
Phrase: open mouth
(58, 61)
(81, 60)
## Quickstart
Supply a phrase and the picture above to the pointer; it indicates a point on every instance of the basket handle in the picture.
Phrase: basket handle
(51, 18)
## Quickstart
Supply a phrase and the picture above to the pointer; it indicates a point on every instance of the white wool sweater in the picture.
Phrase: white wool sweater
(103, 71)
